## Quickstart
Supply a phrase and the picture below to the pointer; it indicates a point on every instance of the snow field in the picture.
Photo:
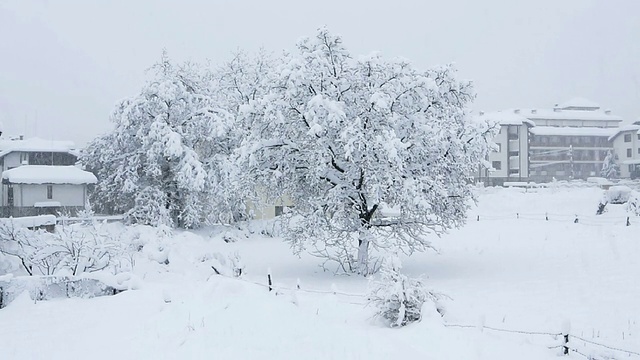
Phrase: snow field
(520, 274)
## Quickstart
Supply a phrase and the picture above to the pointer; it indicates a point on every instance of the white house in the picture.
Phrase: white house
(626, 144)
(40, 177)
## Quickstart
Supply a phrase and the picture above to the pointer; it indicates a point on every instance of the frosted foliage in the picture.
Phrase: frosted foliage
(397, 299)
(150, 208)
(633, 204)
(610, 167)
(68, 251)
(347, 138)
(167, 152)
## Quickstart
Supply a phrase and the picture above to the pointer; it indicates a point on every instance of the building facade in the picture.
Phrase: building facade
(568, 141)
(40, 177)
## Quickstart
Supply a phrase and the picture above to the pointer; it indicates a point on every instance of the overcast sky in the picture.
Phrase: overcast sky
(64, 64)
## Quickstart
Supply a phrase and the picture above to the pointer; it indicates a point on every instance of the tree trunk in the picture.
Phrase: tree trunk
(363, 251)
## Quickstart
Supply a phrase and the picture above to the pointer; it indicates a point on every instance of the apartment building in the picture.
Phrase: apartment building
(567, 141)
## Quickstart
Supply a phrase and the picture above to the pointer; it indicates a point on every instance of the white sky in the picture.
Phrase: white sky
(64, 64)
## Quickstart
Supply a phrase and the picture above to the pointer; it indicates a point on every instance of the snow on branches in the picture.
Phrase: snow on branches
(373, 152)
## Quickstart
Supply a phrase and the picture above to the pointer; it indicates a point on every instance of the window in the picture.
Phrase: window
(631, 168)
(628, 152)
(638, 136)
(500, 147)
(514, 171)
(496, 165)
(10, 196)
(24, 158)
(514, 153)
(627, 137)
(638, 150)
(49, 192)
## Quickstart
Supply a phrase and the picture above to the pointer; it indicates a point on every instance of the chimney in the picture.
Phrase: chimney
(481, 112)
(608, 112)
(517, 111)
(534, 111)
(21, 137)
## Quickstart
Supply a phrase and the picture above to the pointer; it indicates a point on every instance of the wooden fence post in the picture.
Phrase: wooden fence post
(1, 297)
(628, 222)
(269, 279)
(565, 347)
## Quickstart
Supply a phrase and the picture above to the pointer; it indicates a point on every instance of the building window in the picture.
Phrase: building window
(496, 165)
(628, 152)
(24, 158)
(638, 150)
(631, 168)
(500, 147)
(10, 196)
(514, 171)
(627, 137)
(638, 136)
(49, 192)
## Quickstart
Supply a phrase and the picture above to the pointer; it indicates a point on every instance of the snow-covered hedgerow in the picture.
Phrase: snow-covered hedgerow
(71, 250)
(397, 298)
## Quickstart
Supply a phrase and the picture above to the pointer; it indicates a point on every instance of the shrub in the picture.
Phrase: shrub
(397, 298)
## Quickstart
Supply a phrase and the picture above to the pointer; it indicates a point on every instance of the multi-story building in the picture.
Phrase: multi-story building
(568, 141)
(510, 160)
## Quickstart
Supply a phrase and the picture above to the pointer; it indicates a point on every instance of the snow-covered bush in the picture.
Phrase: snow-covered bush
(617, 195)
(70, 250)
(633, 203)
(397, 298)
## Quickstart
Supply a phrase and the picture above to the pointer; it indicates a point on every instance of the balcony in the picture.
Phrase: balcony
(514, 162)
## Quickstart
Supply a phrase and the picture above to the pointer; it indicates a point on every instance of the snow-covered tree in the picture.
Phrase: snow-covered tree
(237, 84)
(162, 151)
(610, 167)
(373, 152)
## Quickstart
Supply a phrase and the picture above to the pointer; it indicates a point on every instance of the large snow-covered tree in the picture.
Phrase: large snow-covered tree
(373, 152)
(159, 164)
(236, 84)
(610, 168)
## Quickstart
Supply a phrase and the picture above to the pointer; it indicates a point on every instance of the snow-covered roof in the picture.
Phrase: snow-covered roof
(506, 118)
(30, 221)
(631, 162)
(559, 114)
(573, 131)
(44, 174)
(44, 204)
(35, 144)
(623, 129)
(579, 103)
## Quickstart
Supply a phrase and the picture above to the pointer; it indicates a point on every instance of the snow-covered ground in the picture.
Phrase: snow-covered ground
(509, 268)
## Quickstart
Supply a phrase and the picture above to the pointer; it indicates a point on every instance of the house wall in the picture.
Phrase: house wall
(26, 195)
(267, 211)
(620, 147)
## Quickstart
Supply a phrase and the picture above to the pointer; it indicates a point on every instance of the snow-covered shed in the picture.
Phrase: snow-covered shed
(44, 189)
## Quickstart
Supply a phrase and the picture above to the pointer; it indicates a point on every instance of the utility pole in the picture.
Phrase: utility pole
(571, 162)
